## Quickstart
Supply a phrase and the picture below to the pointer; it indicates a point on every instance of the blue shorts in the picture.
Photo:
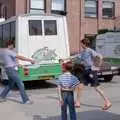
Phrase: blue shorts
(88, 77)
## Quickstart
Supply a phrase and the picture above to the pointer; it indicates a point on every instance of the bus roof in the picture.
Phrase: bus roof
(28, 15)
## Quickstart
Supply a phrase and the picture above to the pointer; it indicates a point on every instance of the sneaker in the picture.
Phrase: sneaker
(28, 102)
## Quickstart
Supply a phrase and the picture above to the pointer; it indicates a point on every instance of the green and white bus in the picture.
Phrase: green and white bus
(42, 37)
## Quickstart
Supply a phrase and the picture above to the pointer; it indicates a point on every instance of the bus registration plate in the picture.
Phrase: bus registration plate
(46, 77)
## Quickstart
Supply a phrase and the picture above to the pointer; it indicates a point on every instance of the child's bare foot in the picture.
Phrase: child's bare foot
(107, 105)
(77, 104)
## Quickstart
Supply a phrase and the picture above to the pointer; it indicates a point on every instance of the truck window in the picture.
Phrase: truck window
(0, 35)
(35, 27)
(6, 33)
(50, 27)
(12, 30)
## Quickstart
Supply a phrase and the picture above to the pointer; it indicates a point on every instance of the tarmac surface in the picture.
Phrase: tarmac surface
(45, 103)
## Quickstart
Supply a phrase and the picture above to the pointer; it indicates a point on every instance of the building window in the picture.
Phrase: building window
(91, 8)
(37, 6)
(50, 27)
(5, 12)
(59, 6)
(0, 10)
(35, 27)
(108, 9)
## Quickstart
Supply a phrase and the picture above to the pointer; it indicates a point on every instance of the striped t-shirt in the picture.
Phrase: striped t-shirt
(68, 80)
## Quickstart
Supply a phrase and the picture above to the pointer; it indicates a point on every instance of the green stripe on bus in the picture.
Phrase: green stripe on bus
(115, 61)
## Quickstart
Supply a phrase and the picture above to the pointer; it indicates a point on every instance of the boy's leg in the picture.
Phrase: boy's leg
(64, 106)
(95, 83)
(10, 85)
(107, 103)
(20, 86)
(78, 91)
(7, 88)
(83, 81)
(70, 101)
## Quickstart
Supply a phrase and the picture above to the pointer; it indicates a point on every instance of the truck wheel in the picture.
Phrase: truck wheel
(108, 78)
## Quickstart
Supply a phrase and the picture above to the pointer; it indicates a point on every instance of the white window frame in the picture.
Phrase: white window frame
(37, 6)
(58, 6)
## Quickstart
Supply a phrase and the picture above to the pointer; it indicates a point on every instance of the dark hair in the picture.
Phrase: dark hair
(78, 68)
(61, 60)
(68, 66)
(9, 42)
(86, 42)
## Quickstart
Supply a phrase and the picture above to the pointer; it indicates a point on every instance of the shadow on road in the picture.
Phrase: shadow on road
(37, 84)
(86, 115)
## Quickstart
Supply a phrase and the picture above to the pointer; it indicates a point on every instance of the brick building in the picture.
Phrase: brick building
(85, 17)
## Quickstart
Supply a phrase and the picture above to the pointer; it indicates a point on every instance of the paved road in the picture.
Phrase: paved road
(46, 106)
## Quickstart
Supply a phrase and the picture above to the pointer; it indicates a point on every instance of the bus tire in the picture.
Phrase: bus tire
(108, 78)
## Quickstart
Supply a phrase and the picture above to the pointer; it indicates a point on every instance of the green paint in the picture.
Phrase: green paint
(43, 72)
(113, 61)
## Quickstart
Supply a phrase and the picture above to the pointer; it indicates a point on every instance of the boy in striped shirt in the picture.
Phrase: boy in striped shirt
(66, 85)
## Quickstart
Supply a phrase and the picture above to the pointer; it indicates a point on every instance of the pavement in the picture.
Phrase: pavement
(46, 107)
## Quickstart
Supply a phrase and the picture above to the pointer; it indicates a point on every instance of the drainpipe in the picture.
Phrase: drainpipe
(80, 27)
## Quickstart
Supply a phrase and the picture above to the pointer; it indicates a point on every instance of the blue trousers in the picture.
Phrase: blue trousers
(68, 100)
(14, 78)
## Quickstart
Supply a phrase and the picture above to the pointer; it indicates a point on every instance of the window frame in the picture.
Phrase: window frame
(5, 12)
(1, 40)
(38, 9)
(40, 33)
(4, 33)
(61, 12)
(55, 31)
(87, 16)
(113, 10)
(2, 43)
(11, 30)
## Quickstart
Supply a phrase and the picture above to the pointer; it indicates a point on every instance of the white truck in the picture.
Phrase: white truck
(108, 45)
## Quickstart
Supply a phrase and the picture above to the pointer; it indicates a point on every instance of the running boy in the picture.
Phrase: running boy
(86, 57)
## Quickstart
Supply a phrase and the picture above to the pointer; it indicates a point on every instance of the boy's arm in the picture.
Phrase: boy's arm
(25, 59)
(97, 57)
(96, 54)
(59, 92)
